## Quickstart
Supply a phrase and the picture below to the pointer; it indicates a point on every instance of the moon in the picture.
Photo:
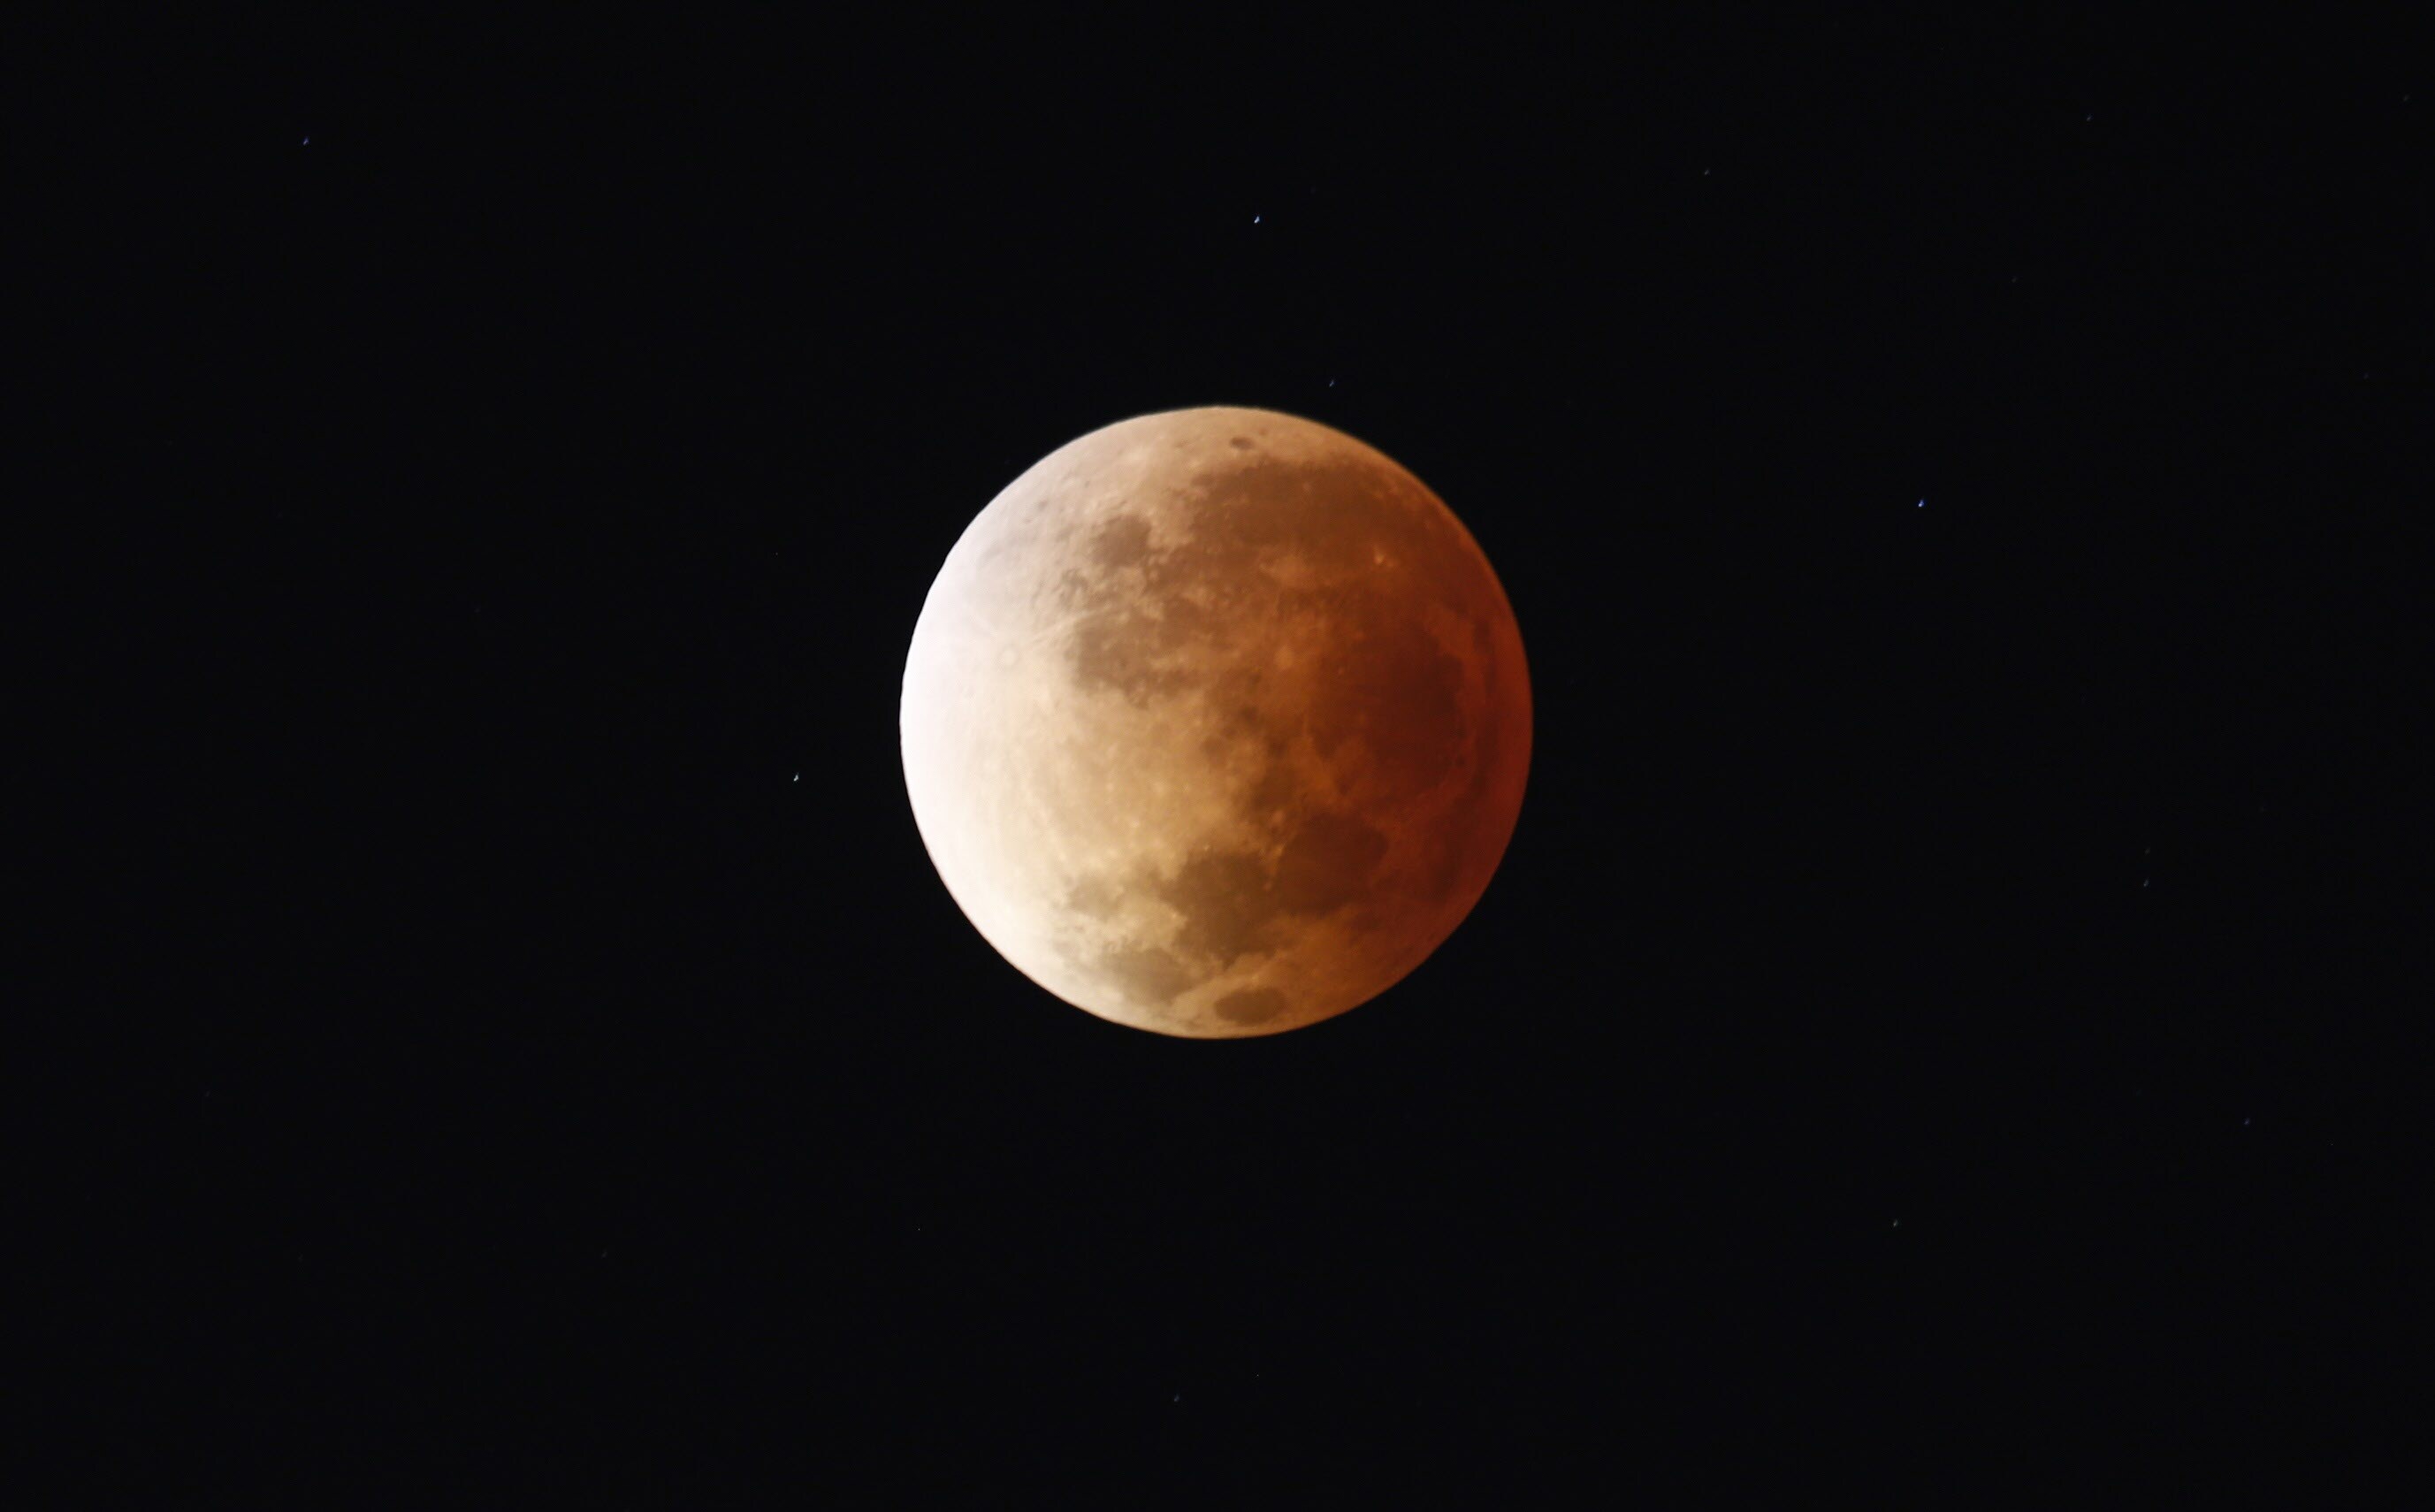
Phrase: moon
(1215, 722)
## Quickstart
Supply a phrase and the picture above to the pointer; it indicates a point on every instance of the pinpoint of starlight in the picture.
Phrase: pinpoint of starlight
(1215, 722)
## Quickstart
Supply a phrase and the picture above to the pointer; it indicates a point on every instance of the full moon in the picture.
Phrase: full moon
(1215, 722)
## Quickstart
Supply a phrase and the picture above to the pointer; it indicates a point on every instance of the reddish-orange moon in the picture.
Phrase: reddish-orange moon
(1215, 722)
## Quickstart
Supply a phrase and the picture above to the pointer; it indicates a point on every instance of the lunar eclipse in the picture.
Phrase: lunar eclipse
(1215, 722)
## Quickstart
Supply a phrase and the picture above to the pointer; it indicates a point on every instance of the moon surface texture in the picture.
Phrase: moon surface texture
(1215, 722)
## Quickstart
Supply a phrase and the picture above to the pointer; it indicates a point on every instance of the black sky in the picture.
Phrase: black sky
(1947, 1017)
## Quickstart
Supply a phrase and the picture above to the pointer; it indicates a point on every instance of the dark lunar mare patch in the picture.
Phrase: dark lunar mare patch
(1326, 864)
(1251, 1005)
(1224, 899)
(1120, 543)
(1152, 976)
(1095, 896)
(1113, 651)
(1232, 904)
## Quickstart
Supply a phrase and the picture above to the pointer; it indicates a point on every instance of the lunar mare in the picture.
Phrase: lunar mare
(1215, 722)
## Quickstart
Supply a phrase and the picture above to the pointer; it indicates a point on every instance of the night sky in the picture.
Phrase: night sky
(1946, 1020)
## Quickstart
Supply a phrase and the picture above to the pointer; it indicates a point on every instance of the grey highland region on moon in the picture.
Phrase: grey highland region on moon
(1215, 722)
